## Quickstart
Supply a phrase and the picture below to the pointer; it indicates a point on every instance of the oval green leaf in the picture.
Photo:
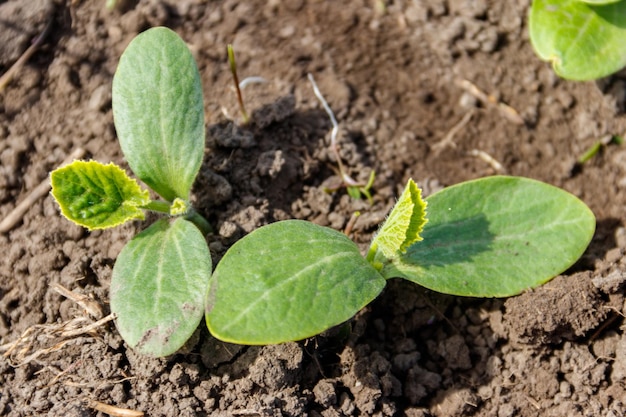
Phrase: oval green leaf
(158, 286)
(496, 237)
(158, 112)
(288, 281)
(582, 41)
(97, 196)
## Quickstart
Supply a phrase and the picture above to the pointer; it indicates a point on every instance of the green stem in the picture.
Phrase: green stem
(233, 69)
(158, 206)
(200, 222)
(590, 153)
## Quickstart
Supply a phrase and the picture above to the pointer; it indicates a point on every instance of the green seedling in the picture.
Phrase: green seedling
(598, 146)
(289, 280)
(492, 237)
(238, 87)
(160, 277)
(354, 188)
(583, 39)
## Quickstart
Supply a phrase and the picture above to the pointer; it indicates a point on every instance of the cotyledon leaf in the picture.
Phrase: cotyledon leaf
(287, 281)
(158, 112)
(496, 237)
(97, 196)
(158, 286)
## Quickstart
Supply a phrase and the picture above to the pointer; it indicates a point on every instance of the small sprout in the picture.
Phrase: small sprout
(598, 146)
(238, 87)
(354, 188)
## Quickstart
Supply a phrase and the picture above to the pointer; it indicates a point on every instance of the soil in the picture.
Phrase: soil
(396, 73)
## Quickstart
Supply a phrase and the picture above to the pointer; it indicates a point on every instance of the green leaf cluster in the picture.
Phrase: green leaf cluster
(492, 237)
(161, 276)
(583, 39)
(289, 280)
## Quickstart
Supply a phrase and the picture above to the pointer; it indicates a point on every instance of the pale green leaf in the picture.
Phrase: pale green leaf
(158, 286)
(583, 41)
(288, 281)
(402, 227)
(496, 237)
(97, 196)
(158, 112)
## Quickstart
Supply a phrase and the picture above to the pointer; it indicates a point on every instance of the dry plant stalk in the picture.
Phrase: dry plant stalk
(112, 410)
(42, 339)
(505, 110)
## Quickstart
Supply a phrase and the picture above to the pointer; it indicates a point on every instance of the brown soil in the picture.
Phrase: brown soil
(392, 77)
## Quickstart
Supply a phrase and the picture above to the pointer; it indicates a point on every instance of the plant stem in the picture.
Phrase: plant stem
(233, 70)
(200, 222)
(158, 206)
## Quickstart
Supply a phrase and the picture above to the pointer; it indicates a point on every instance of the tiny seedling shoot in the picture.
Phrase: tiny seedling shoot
(583, 39)
(233, 70)
(491, 237)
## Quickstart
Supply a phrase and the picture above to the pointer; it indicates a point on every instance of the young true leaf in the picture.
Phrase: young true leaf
(402, 227)
(158, 286)
(496, 237)
(97, 196)
(288, 281)
(583, 41)
(158, 111)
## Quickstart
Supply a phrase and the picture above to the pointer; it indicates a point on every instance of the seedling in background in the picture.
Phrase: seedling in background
(160, 277)
(233, 70)
(598, 146)
(583, 39)
(355, 189)
(289, 280)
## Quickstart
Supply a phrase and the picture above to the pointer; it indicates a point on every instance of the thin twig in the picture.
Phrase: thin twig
(90, 305)
(333, 121)
(8, 76)
(351, 223)
(251, 80)
(41, 190)
(448, 140)
(112, 410)
(507, 111)
(89, 328)
(497, 166)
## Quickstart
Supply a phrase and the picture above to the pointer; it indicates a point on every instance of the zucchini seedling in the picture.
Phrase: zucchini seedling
(160, 277)
(492, 237)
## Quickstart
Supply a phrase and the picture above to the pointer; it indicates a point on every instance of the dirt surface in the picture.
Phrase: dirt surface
(397, 80)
